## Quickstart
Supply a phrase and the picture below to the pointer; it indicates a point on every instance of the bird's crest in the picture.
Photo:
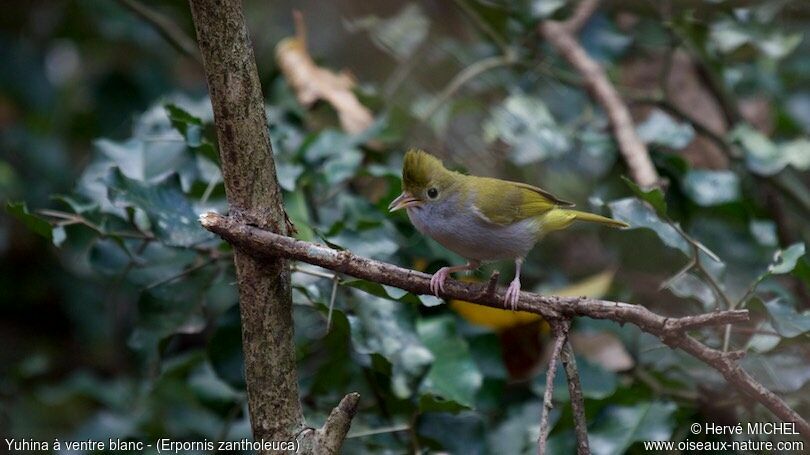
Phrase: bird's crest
(419, 168)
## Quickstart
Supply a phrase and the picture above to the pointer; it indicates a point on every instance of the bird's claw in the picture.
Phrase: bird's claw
(437, 281)
(510, 299)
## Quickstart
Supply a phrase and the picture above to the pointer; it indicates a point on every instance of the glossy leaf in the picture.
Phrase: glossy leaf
(526, 124)
(454, 378)
(384, 327)
(660, 128)
(709, 188)
(170, 213)
(619, 427)
(641, 216)
(653, 196)
(393, 293)
(786, 320)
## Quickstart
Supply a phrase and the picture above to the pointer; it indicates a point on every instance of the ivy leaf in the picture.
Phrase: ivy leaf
(39, 225)
(785, 319)
(597, 382)
(386, 328)
(170, 213)
(660, 128)
(621, 426)
(785, 260)
(185, 123)
(393, 293)
(709, 188)
(764, 157)
(453, 379)
(146, 162)
(641, 216)
(654, 196)
(687, 285)
(458, 433)
(526, 124)
(784, 371)
(225, 349)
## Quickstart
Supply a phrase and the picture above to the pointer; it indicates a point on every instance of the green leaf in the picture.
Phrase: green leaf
(375, 243)
(597, 383)
(710, 188)
(383, 327)
(145, 161)
(288, 174)
(687, 285)
(784, 371)
(225, 349)
(525, 123)
(764, 157)
(20, 211)
(786, 320)
(641, 216)
(762, 341)
(188, 125)
(461, 433)
(393, 293)
(454, 378)
(764, 231)
(654, 196)
(659, 128)
(170, 213)
(621, 426)
(518, 432)
(785, 260)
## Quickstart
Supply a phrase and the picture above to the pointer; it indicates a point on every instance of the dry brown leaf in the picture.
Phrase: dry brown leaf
(311, 82)
(603, 349)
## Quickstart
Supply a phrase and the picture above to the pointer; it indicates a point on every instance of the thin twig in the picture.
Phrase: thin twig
(560, 338)
(577, 400)
(484, 26)
(467, 74)
(265, 244)
(183, 273)
(167, 28)
(561, 36)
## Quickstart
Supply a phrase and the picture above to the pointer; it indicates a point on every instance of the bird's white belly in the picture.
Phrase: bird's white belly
(471, 236)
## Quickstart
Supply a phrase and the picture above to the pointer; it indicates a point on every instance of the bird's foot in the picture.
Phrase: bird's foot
(510, 299)
(438, 279)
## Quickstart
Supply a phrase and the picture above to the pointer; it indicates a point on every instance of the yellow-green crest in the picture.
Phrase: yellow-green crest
(419, 169)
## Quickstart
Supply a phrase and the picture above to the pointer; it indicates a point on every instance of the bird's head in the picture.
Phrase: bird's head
(425, 180)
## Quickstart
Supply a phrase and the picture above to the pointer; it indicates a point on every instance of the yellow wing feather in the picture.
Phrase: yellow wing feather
(504, 202)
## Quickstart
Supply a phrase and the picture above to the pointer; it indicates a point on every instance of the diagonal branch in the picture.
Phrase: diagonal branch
(561, 36)
(167, 28)
(671, 331)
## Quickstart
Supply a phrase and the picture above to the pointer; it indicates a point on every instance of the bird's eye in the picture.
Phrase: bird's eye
(432, 193)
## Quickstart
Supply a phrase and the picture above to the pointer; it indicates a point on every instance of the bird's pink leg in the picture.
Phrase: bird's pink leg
(513, 291)
(437, 281)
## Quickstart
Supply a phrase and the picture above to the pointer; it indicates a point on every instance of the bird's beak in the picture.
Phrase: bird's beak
(402, 201)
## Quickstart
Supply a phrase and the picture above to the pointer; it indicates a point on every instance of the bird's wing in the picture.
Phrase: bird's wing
(504, 202)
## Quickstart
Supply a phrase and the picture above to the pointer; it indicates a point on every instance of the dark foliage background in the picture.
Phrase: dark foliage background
(118, 314)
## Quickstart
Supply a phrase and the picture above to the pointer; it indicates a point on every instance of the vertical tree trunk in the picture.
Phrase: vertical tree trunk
(253, 196)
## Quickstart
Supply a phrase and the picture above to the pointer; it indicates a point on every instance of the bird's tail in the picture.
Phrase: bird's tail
(594, 218)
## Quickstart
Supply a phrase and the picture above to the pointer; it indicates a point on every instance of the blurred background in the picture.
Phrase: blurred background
(118, 314)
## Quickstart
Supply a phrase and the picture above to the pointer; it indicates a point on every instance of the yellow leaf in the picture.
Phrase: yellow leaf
(595, 286)
(311, 82)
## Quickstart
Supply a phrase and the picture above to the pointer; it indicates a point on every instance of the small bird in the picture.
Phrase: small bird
(481, 218)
